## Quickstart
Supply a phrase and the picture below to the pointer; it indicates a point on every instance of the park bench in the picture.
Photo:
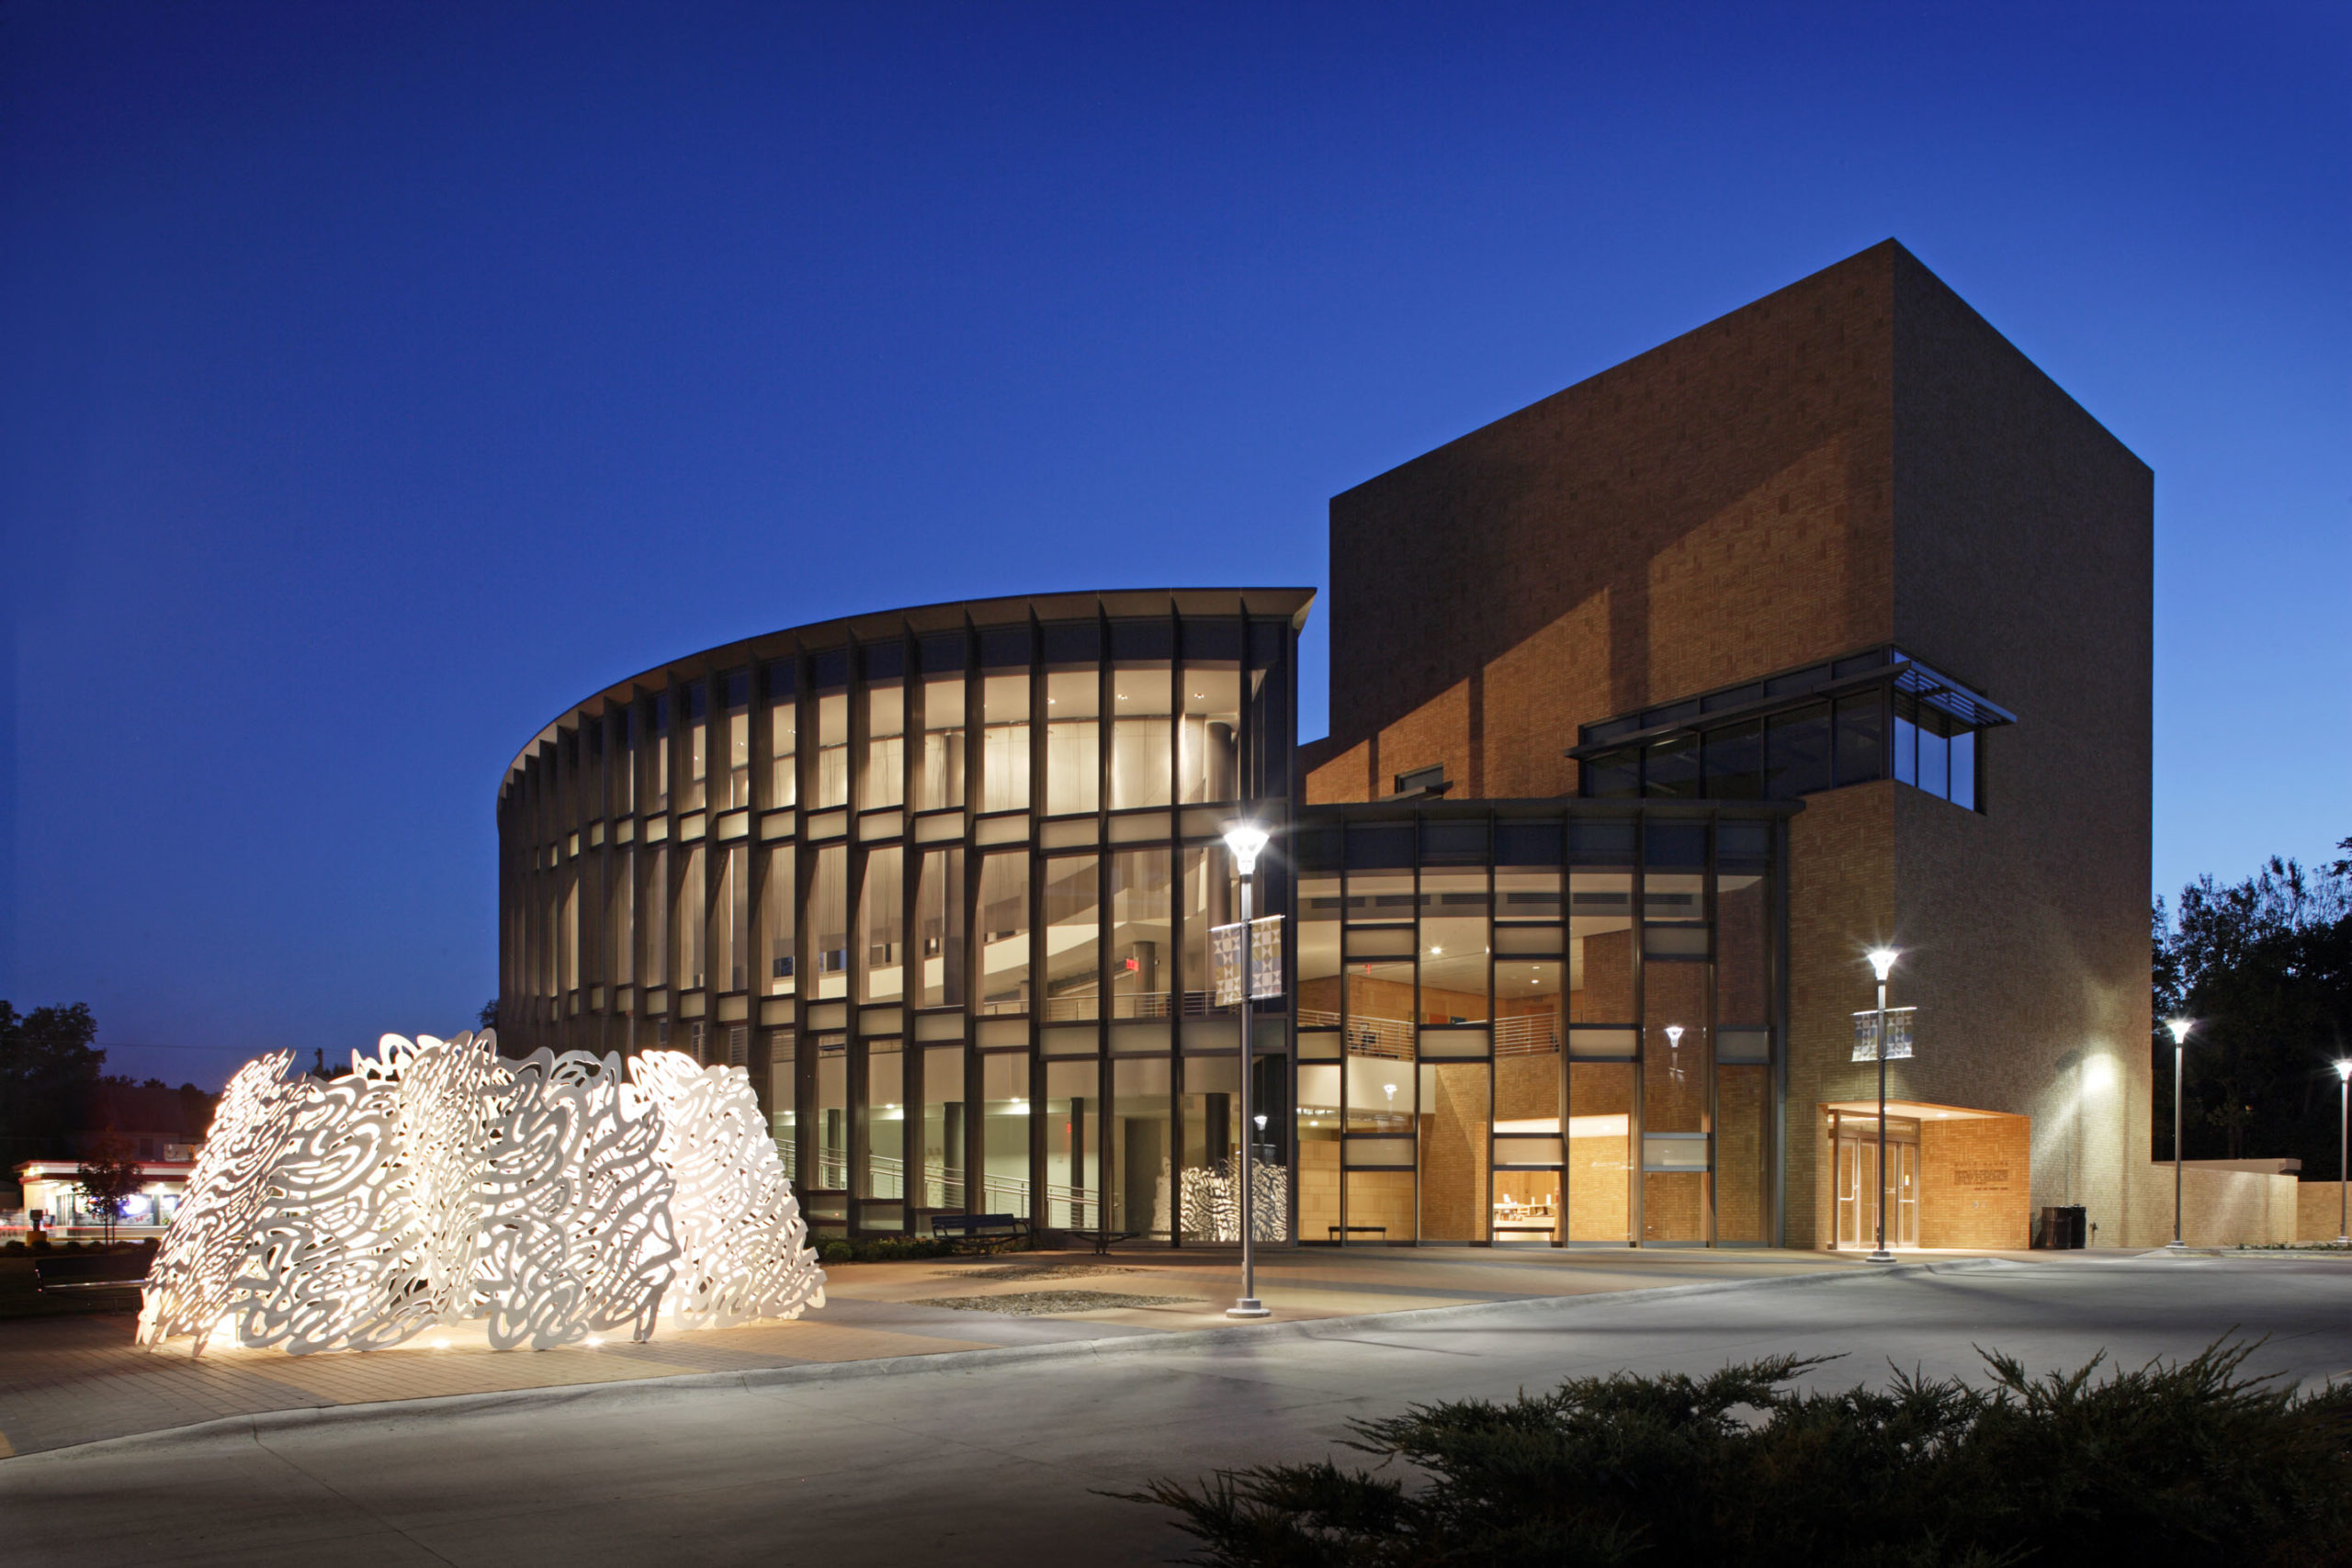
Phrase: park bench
(988, 1231)
(1102, 1239)
(104, 1272)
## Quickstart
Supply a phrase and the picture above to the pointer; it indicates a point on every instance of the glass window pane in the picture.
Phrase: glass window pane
(688, 919)
(1073, 1124)
(1674, 1206)
(1676, 1052)
(1734, 756)
(886, 756)
(1379, 1034)
(1906, 743)
(1005, 1102)
(1073, 938)
(943, 1150)
(783, 1099)
(778, 923)
(1796, 753)
(1527, 1025)
(784, 731)
(698, 744)
(654, 902)
(739, 739)
(1004, 933)
(1935, 775)
(831, 1114)
(1457, 1151)
(657, 758)
(1600, 942)
(620, 888)
(1612, 775)
(939, 928)
(1318, 951)
(1453, 946)
(1004, 760)
(1862, 737)
(1963, 769)
(1670, 769)
(833, 750)
(1073, 738)
(1601, 1151)
(1212, 1095)
(1742, 1184)
(828, 921)
(882, 935)
(1379, 1206)
(1142, 924)
(1142, 772)
(1142, 1183)
(886, 1121)
(1209, 751)
(1212, 898)
(731, 922)
(942, 743)
(1525, 894)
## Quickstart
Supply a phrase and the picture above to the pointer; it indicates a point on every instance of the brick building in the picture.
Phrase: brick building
(1618, 591)
(1654, 706)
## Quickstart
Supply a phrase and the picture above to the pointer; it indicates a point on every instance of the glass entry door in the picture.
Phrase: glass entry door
(1857, 1166)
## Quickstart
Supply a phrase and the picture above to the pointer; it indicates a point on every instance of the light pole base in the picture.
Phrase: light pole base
(1880, 1257)
(2176, 1246)
(1249, 1306)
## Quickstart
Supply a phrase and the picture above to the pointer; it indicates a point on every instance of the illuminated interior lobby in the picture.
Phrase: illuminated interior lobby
(1653, 707)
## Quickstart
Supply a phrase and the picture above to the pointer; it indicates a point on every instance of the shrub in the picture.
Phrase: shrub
(884, 1249)
(2178, 1462)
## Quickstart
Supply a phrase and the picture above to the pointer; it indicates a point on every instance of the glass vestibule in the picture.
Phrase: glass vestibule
(1556, 1046)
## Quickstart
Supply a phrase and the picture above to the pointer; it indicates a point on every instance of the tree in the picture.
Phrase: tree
(2265, 968)
(49, 1073)
(107, 1177)
(488, 1017)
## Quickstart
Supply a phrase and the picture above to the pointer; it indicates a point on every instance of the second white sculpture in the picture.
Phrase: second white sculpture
(556, 1198)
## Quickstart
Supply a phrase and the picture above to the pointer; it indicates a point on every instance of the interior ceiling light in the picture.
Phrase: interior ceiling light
(553, 1197)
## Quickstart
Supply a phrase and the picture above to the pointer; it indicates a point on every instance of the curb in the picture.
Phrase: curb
(1182, 1342)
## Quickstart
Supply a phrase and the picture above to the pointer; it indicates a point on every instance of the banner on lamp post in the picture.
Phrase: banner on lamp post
(1898, 1030)
(1265, 960)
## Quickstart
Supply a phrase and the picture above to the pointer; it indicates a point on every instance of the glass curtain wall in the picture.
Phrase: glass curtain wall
(1053, 943)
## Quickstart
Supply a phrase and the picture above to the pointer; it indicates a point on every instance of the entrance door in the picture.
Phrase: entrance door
(1856, 1165)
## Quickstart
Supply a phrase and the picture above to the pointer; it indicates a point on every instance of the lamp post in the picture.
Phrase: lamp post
(1246, 839)
(1882, 961)
(2179, 1027)
(2343, 1147)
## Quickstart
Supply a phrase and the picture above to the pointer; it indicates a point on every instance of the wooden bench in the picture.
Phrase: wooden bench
(106, 1271)
(989, 1232)
(1341, 1233)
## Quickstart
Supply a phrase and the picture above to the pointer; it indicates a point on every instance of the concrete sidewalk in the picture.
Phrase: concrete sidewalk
(67, 1380)
(1000, 1461)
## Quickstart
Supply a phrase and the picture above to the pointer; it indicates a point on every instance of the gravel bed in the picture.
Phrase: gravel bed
(1035, 1271)
(1045, 1303)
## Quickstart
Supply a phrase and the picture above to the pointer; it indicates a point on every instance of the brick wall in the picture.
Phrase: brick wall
(1975, 1182)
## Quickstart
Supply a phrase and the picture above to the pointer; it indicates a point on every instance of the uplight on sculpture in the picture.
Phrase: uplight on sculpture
(556, 1198)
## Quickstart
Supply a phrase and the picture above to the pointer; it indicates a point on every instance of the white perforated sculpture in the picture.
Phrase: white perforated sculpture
(556, 1198)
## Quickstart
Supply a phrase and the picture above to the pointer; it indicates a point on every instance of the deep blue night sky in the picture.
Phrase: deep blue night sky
(380, 380)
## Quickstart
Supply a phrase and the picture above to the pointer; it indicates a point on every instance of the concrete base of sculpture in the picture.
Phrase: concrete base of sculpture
(556, 1200)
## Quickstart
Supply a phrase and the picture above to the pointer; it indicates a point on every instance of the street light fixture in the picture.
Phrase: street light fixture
(1882, 963)
(2179, 1027)
(1247, 841)
(2343, 1147)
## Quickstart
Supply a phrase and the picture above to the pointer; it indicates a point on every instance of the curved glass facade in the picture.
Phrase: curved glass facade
(941, 881)
(944, 881)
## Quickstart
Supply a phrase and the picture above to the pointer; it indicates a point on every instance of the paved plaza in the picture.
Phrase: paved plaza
(75, 1380)
(991, 1457)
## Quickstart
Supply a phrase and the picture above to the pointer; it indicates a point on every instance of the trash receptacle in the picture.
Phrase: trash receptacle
(2062, 1227)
